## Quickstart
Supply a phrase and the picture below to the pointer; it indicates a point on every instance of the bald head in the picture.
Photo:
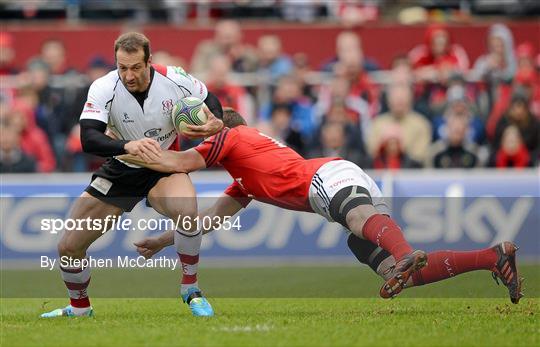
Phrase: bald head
(228, 33)
(269, 47)
(347, 40)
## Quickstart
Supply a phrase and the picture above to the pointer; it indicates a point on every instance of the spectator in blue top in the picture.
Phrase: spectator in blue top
(458, 102)
(289, 92)
(272, 60)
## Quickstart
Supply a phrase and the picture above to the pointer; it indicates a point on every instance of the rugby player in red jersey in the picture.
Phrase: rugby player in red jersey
(268, 171)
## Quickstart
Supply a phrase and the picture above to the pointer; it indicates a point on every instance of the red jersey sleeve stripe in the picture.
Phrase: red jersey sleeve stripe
(219, 146)
(212, 148)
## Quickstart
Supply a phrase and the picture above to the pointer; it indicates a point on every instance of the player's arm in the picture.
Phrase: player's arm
(225, 206)
(210, 152)
(152, 245)
(93, 122)
(95, 141)
(170, 161)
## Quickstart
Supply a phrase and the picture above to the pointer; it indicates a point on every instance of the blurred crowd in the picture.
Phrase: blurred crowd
(434, 109)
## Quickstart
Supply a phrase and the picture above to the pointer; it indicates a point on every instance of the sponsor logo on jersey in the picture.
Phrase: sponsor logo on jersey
(127, 119)
(152, 132)
(342, 181)
(90, 108)
(167, 107)
(166, 136)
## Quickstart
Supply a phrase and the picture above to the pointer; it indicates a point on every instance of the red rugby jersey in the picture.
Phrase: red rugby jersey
(263, 168)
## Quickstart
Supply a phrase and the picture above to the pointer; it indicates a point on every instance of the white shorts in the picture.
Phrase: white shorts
(336, 175)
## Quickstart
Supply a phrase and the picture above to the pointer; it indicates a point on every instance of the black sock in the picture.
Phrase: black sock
(367, 252)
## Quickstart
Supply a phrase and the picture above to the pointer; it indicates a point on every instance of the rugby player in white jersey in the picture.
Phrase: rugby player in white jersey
(135, 102)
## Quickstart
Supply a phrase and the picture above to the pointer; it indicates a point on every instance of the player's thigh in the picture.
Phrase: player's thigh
(87, 210)
(342, 192)
(174, 196)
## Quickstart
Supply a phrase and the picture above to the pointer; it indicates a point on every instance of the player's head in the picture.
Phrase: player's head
(132, 55)
(231, 118)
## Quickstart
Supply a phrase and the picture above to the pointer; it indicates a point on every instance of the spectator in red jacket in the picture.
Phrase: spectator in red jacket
(519, 115)
(513, 153)
(7, 54)
(438, 56)
(360, 84)
(433, 63)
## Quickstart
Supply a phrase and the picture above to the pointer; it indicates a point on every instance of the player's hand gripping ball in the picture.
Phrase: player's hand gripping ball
(188, 110)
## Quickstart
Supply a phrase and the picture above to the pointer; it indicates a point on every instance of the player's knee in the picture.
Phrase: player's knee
(184, 208)
(347, 202)
(357, 217)
(187, 212)
(187, 215)
(70, 249)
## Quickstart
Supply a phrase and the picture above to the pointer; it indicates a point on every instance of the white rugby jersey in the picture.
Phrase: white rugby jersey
(110, 102)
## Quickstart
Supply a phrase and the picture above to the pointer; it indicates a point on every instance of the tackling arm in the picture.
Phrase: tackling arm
(170, 161)
(226, 206)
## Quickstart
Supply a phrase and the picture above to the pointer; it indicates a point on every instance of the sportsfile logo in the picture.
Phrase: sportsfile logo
(122, 223)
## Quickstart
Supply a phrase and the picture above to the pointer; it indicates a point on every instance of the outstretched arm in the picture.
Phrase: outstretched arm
(170, 161)
(225, 206)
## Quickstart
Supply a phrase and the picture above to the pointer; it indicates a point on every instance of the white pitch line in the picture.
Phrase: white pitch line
(245, 329)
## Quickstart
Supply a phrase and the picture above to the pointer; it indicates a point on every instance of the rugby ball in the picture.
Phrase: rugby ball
(188, 110)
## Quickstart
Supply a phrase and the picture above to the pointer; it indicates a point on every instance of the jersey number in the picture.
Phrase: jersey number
(279, 144)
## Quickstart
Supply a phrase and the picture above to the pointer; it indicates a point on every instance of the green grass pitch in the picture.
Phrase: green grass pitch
(271, 306)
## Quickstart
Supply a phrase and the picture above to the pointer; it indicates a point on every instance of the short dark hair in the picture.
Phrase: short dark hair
(131, 42)
(231, 118)
(280, 108)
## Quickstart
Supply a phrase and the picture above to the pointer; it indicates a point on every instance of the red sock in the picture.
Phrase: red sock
(385, 233)
(189, 268)
(77, 281)
(446, 264)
